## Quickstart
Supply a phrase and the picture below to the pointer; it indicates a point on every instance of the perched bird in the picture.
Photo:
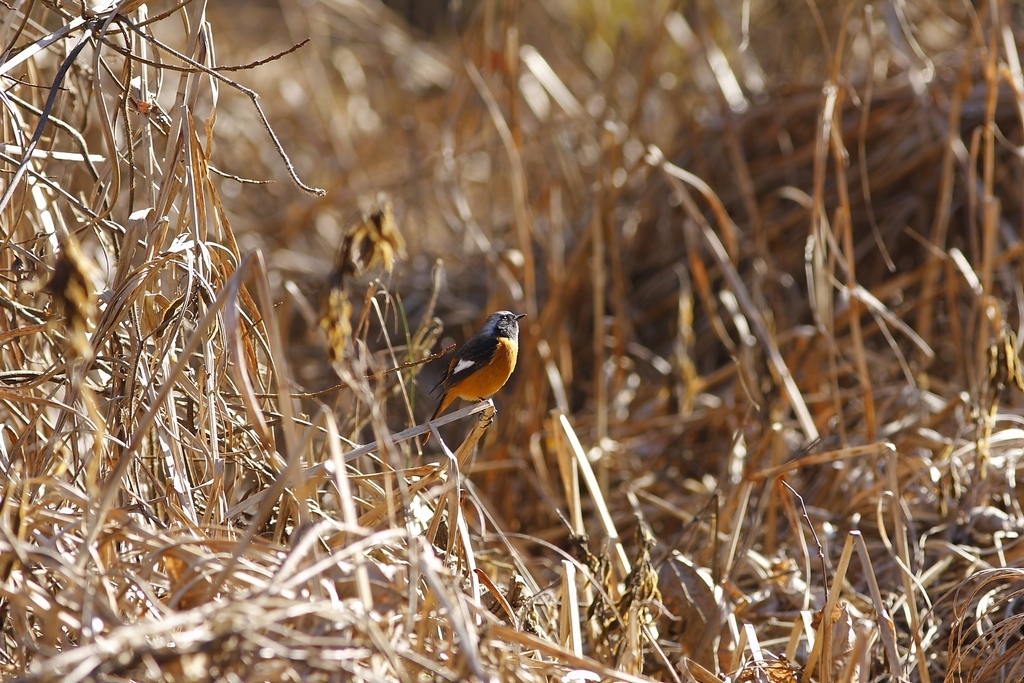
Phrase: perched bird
(483, 364)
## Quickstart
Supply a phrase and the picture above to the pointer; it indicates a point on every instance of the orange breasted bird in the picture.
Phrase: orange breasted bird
(483, 364)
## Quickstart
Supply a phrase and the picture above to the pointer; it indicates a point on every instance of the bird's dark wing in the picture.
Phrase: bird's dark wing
(474, 354)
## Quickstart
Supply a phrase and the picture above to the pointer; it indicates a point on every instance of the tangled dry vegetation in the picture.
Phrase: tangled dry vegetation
(771, 255)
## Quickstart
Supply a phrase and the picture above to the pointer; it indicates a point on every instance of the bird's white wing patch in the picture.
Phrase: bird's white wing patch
(463, 365)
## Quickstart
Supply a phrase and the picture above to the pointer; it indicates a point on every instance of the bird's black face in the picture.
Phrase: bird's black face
(505, 324)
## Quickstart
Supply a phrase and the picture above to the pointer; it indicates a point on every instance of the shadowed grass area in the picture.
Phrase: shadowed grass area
(770, 255)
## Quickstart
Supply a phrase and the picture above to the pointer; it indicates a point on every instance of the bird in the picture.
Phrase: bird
(483, 364)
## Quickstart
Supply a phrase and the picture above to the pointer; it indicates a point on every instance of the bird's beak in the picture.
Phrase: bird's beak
(521, 315)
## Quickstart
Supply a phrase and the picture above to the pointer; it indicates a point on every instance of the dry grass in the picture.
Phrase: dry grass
(770, 373)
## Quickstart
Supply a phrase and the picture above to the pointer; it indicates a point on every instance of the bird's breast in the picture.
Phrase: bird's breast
(488, 379)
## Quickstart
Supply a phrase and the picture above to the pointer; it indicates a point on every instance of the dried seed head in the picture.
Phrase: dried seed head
(336, 322)
(72, 291)
(375, 239)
